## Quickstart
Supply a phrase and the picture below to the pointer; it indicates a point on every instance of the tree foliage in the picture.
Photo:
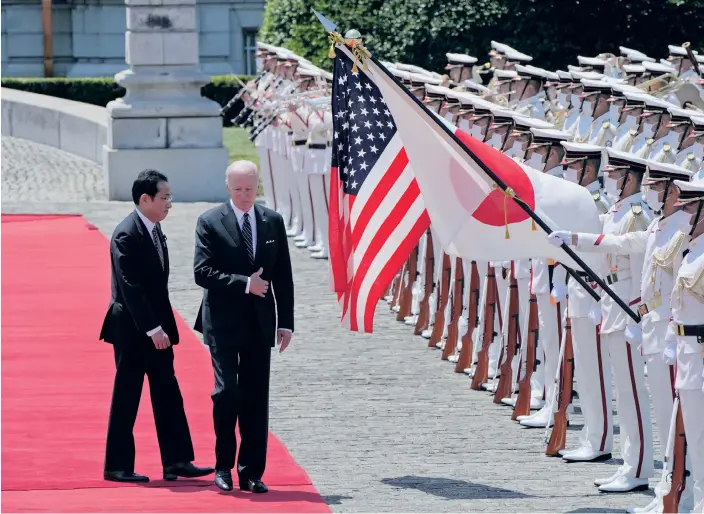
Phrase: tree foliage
(554, 32)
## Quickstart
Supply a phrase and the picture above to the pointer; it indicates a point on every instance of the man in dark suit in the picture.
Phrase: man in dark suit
(241, 248)
(140, 325)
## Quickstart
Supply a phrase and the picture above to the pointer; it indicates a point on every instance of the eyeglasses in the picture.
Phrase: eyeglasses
(165, 198)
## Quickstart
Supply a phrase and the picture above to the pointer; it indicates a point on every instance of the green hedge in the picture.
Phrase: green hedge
(100, 91)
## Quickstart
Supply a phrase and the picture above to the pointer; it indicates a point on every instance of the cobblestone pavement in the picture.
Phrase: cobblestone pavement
(378, 421)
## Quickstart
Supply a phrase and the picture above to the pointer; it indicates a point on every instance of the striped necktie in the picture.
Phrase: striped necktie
(247, 235)
(157, 244)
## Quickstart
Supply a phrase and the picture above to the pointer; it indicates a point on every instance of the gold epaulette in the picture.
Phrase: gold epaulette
(596, 196)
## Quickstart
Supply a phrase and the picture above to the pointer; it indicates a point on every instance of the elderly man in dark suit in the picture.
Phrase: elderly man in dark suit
(140, 325)
(241, 250)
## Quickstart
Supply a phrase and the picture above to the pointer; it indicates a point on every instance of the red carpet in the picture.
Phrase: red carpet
(57, 382)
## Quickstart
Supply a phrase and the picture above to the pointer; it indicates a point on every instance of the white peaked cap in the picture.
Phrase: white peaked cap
(515, 55)
(658, 67)
(571, 146)
(550, 133)
(505, 74)
(669, 169)
(460, 58)
(635, 55)
(679, 50)
(526, 121)
(591, 61)
(633, 68)
(470, 84)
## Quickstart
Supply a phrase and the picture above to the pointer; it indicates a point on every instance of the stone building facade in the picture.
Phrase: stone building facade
(88, 37)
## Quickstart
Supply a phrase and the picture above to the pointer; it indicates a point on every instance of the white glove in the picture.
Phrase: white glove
(669, 355)
(560, 236)
(595, 314)
(506, 264)
(559, 292)
(634, 335)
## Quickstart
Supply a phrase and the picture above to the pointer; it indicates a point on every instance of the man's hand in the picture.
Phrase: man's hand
(283, 338)
(258, 285)
(161, 340)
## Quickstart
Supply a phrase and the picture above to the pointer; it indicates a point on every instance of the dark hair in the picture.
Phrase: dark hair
(147, 182)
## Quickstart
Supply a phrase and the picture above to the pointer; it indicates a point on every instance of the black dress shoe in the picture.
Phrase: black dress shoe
(223, 479)
(256, 486)
(186, 470)
(121, 476)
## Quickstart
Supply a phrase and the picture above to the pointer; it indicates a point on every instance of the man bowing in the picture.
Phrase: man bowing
(241, 249)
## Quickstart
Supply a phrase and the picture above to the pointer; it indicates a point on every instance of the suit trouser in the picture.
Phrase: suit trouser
(633, 406)
(241, 395)
(132, 362)
(592, 371)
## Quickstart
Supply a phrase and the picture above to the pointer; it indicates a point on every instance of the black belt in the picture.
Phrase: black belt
(300, 142)
(317, 146)
(691, 330)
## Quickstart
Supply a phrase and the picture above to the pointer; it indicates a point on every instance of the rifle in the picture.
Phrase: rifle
(522, 405)
(503, 390)
(455, 311)
(671, 500)
(424, 311)
(407, 292)
(467, 350)
(443, 297)
(481, 371)
(558, 436)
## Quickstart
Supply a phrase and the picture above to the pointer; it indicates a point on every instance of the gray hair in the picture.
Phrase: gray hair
(241, 168)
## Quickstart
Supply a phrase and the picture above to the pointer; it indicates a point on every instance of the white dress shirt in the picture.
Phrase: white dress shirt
(149, 224)
(239, 213)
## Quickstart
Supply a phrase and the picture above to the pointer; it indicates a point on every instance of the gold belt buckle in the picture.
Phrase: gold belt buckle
(680, 330)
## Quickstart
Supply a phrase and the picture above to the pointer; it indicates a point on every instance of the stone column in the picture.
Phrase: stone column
(163, 122)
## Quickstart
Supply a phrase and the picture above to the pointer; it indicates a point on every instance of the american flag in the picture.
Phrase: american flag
(377, 215)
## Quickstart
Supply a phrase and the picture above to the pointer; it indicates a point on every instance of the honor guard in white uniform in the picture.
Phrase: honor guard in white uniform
(624, 176)
(591, 357)
(662, 244)
(691, 151)
(686, 334)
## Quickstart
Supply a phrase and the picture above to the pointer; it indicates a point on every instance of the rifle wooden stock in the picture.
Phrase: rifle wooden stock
(453, 329)
(406, 300)
(467, 351)
(503, 390)
(439, 325)
(424, 311)
(671, 500)
(481, 371)
(558, 436)
(522, 405)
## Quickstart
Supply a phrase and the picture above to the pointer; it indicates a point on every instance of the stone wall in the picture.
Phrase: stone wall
(89, 36)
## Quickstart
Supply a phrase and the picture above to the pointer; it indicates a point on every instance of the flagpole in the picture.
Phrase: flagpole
(500, 183)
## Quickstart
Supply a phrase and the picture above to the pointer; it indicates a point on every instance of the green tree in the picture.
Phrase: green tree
(553, 32)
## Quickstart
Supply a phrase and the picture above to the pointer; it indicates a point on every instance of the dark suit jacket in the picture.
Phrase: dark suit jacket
(140, 295)
(228, 316)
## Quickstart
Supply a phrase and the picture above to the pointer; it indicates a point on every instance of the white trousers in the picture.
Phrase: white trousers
(267, 176)
(692, 402)
(633, 406)
(318, 183)
(592, 371)
(549, 349)
(281, 170)
(307, 237)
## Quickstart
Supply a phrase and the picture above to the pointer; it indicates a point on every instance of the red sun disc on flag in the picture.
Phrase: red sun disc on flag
(491, 210)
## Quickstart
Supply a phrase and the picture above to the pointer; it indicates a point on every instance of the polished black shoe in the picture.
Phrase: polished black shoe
(185, 470)
(223, 479)
(121, 476)
(256, 486)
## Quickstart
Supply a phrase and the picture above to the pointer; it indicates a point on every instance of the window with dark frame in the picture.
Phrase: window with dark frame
(249, 36)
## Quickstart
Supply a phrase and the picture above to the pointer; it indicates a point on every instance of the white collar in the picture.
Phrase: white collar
(147, 222)
(239, 212)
